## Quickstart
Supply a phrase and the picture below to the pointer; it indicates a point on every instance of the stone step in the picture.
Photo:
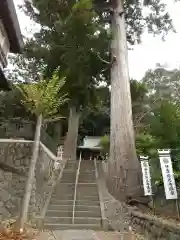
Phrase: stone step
(60, 207)
(70, 174)
(91, 213)
(86, 186)
(86, 193)
(77, 220)
(77, 208)
(64, 188)
(79, 190)
(70, 202)
(87, 198)
(87, 166)
(68, 180)
(90, 198)
(57, 226)
(79, 197)
(67, 196)
(69, 162)
(87, 208)
(87, 171)
(87, 177)
(89, 185)
(54, 213)
(58, 220)
(71, 165)
(94, 197)
(65, 185)
(86, 181)
(63, 191)
(70, 169)
(87, 189)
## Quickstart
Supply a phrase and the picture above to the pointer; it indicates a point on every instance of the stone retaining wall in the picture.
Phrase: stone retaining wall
(18, 155)
(153, 227)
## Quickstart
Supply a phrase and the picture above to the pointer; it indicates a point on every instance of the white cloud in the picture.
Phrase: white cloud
(145, 55)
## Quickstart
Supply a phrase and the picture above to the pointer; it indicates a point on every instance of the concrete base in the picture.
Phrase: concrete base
(85, 235)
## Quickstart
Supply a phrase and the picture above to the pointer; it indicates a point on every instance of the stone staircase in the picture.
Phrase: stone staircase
(87, 213)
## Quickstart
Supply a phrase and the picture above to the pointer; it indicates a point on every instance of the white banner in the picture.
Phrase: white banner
(60, 153)
(56, 165)
(168, 175)
(146, 176)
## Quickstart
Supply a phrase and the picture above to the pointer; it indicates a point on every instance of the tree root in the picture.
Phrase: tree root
(137, 202)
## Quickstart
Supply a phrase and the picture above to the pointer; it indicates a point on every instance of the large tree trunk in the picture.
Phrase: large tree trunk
(30, 179)
(124, 177)
(70, 144)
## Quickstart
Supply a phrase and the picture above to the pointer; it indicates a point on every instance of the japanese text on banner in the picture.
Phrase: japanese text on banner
(146, 178)
(168, 177)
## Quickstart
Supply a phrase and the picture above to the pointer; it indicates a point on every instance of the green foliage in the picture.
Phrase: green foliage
(105, 144)
(96, 116)
(139, 104)
(95, 120)
(146, 144)
(165, 124)
(11, 105)
(163, 120)
(25, 68)
(43, 97)
(156, 21)
(72, 39)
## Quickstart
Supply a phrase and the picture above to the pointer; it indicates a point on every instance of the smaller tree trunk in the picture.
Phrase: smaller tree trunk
(28, 187)
(70, 144)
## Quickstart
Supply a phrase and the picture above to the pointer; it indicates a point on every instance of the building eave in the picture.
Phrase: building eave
(89, 148)
(9, 17)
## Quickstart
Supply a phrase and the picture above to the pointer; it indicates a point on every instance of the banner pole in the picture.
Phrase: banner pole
(154, 205)
(177, 207)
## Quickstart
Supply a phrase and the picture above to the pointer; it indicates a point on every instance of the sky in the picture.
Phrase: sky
(146, 55)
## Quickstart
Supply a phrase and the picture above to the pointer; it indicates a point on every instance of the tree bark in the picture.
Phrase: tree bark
(28, 187)
(124, 177)
(70, 145)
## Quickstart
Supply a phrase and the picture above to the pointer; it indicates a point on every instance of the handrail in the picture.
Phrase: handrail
(95, 166)
(55, 181)
(100, 185)
(75, 189)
